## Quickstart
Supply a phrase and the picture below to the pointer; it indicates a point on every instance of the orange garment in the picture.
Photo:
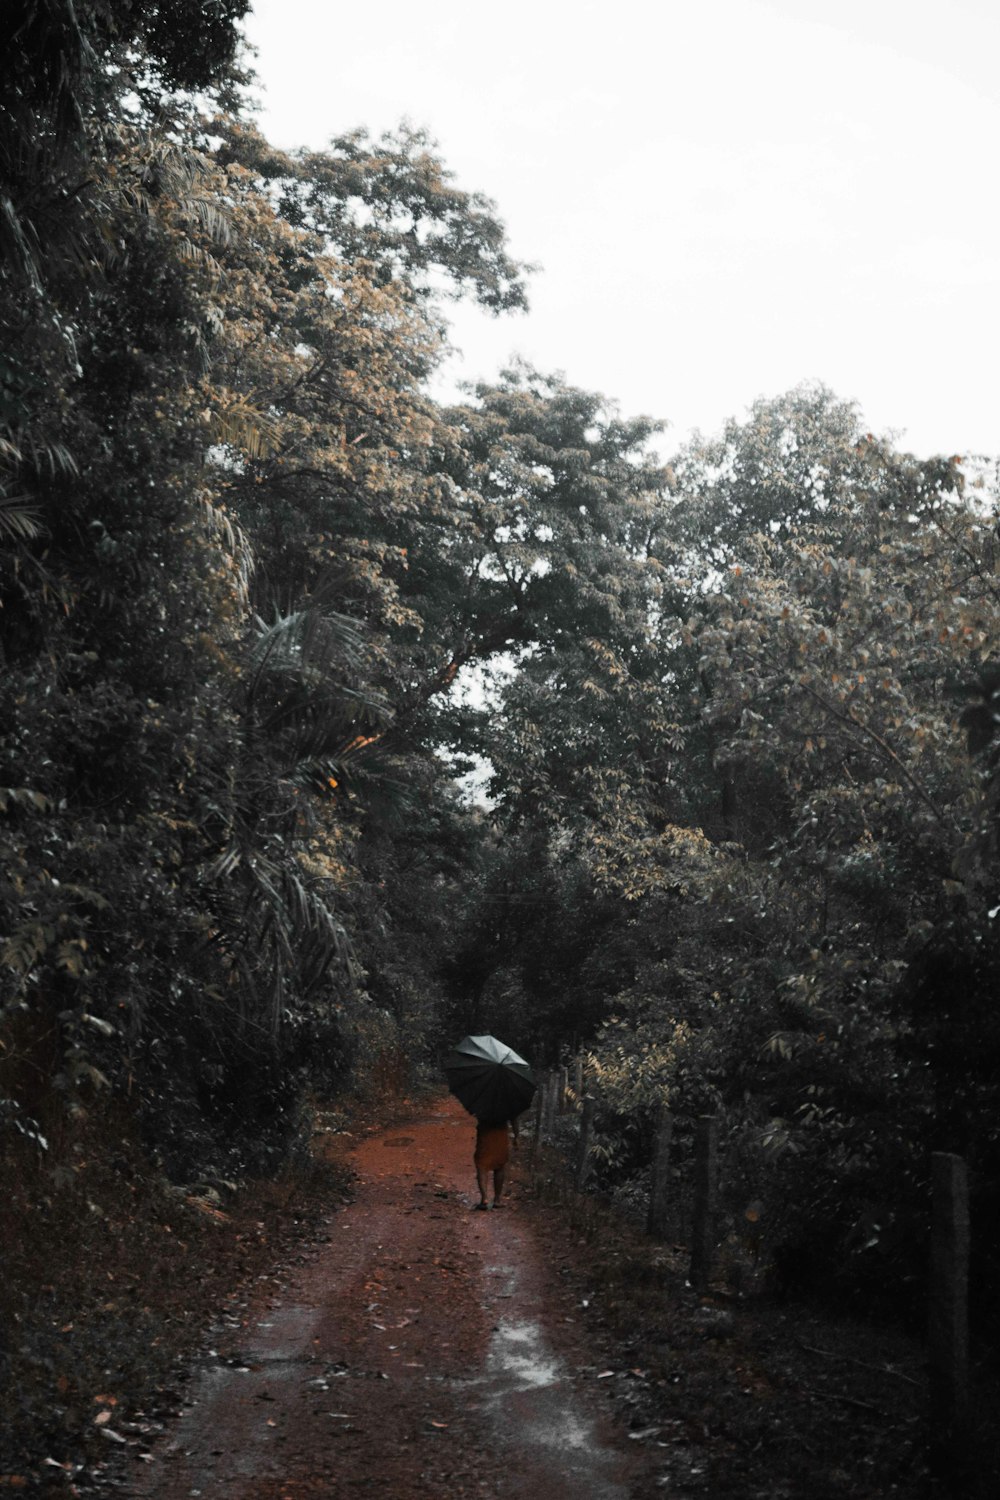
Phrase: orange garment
(492, 1147)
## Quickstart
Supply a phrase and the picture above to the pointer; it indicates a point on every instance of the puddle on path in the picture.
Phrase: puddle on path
(528, 1393)
(284, 1416)
(517, 1351)
(529, 1396)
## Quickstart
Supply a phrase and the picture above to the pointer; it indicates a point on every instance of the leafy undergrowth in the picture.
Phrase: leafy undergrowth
(110, 1277)
(748, 1396)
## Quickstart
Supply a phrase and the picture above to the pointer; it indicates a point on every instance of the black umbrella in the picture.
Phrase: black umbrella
(490, 1080)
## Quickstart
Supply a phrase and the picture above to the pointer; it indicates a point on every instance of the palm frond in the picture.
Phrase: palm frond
(20, 520)
(18, 244)
(306, 641)
(197, 255)
(301, 694)
(21, 449)
(205, 211)
(221, 528)
(282, 925)
(235, 423)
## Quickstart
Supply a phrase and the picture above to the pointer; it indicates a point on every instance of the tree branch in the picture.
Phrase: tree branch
(884, 746)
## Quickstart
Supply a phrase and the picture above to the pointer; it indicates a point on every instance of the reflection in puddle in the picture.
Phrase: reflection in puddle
(527, 1387)
(529, 1382)
(517, 1349)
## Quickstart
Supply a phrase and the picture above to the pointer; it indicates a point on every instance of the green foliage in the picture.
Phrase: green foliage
(391, 206)
(741, 840)
(211, 428)
(265, 604)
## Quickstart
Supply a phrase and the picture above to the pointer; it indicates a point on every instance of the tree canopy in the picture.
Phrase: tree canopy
(266, 605)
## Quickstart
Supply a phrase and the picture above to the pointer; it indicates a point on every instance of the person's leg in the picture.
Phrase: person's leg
(498, 1177)
(482, 1176)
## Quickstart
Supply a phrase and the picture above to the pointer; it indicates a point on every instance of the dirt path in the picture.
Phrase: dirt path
(424, 1350)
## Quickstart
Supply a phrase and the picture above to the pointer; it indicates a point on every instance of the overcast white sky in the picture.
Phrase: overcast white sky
(726, 196)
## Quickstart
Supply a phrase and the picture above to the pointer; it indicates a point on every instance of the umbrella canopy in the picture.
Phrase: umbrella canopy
(488, 1078)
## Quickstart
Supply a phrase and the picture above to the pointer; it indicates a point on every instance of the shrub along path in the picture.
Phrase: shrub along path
(423, 1349)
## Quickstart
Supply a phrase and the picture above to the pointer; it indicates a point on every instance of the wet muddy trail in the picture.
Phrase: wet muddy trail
(423, 1349)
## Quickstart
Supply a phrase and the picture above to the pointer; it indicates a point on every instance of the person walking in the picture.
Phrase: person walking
(493, 1144)
(496, 1085)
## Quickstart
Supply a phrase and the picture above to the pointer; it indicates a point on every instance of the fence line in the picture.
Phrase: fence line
(948, 1316)
(706, 1175)
(583, 1161)
(948, 1313)
(659, 1188)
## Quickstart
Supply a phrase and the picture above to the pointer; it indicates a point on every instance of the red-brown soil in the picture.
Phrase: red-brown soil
(425, 1349)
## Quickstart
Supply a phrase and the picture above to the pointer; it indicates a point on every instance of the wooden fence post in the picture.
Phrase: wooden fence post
(659, 1185)
(586, 1142)
(555, 1094)
(548, 1092)
(706, 1143)
(538, 1113)
(948, 1323)
(578, 1079)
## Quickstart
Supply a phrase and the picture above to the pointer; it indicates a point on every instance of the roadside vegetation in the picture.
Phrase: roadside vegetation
(268, 610)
